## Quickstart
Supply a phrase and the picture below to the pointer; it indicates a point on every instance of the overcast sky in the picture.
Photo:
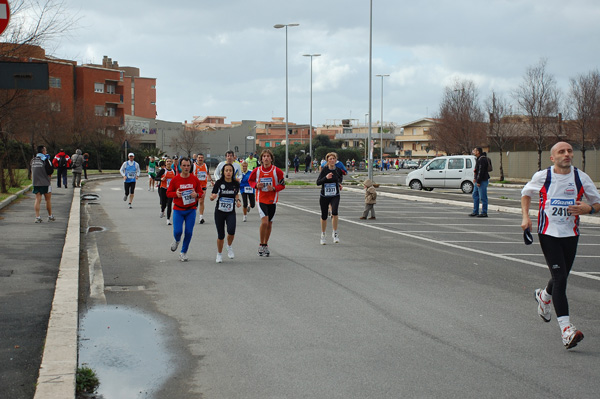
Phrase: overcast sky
(224, 57)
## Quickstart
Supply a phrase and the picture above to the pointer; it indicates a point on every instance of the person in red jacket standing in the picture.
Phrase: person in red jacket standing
(185, 189)
(61, 163)
(268, 180)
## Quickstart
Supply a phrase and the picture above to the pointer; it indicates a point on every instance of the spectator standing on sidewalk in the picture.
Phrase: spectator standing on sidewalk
(61, 163)
(86, 164)
(77, 162)
(41, 174)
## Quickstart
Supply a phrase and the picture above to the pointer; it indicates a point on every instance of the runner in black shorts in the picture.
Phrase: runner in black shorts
(330, 180)
(226, 191)
(560, 189)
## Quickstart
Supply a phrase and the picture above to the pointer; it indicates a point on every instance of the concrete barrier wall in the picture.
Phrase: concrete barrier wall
(523, 164)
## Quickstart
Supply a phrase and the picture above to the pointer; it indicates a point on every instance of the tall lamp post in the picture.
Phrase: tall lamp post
(287, 144)
(381, 127)
(370, 167)
(311, 107)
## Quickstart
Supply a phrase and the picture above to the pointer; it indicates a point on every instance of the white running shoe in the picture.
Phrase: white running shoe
(174, 245)
(219, 258)
(336, 237)
(51, 218)
(169, 222)
(261, 250)
(323, 242)
(230, 253)
(245, 218)
(544, 309)
(266, 251)
(162, 215)
(183, 257)
(130, 207)
(571, 336)
(38, 219)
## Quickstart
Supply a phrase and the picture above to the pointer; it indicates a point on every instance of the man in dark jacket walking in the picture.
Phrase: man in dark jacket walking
(481, 180)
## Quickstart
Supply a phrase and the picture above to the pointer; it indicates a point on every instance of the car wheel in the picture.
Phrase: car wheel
(467, 187)
(428, 188)
(415, 185)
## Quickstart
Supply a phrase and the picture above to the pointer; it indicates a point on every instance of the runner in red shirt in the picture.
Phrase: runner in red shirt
(186, 190)
(268, 180)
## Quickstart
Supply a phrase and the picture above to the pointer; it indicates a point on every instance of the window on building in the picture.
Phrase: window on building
(414, 146)
(414, 131)
(110, 89)
(99, 87)
(99, 110)
(55, 82)
(111, 111)
(267, 144)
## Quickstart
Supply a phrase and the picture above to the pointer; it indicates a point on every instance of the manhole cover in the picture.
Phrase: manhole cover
(92, 229)
(90, 197)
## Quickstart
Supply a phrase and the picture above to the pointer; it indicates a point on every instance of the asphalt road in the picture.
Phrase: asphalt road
(423, 302)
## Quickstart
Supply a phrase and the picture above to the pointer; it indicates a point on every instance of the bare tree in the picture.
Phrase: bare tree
(460, 119)
(584, 104)
(502, 130)
(538, 97)
(187, 140)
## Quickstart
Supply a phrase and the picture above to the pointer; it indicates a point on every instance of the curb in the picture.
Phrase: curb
(57, 375)
(13, 197)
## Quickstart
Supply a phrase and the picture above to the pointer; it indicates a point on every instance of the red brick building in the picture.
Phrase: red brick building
(107, 90)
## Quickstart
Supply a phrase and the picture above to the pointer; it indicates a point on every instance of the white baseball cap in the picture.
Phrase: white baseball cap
(131, 154)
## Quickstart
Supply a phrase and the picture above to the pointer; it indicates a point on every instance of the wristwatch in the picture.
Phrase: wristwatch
(592, 210)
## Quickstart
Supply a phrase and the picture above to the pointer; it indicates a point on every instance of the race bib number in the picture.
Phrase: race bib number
(226, 204)
(168, 182)
(330, 189)
(187, 198)
(248, 190)
(202, 176)
(267, 182)
(150, 170)
(558, 210)
(131, 175)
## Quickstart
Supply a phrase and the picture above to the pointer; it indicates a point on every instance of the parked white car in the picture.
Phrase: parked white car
(453, 171)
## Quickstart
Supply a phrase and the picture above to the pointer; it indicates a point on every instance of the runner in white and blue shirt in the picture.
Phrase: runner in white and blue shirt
(130, 170)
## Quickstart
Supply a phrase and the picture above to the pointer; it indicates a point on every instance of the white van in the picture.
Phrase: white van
(453, 171)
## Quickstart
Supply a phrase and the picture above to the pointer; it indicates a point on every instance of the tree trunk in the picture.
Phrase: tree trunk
(583, 158)
(501, 167)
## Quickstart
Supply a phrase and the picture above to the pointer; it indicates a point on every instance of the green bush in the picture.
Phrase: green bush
(87, 381)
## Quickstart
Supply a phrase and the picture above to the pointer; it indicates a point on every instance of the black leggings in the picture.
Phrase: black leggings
(165, 202)
(221, 218)
(248, 197)
(560, 255)
(325, 202)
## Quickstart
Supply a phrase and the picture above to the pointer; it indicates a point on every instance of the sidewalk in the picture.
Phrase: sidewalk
(29, 264)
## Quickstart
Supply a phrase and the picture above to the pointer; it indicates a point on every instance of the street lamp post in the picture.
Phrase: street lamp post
(287, 146)
(370, 167)
(311, 107)
(381, 127)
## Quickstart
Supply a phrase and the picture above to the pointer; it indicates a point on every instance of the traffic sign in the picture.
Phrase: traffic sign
(4, 15)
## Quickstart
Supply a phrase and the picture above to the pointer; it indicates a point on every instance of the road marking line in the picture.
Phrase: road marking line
(443, 243)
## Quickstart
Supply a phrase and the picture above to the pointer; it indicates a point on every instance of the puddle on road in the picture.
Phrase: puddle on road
(127, 350)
